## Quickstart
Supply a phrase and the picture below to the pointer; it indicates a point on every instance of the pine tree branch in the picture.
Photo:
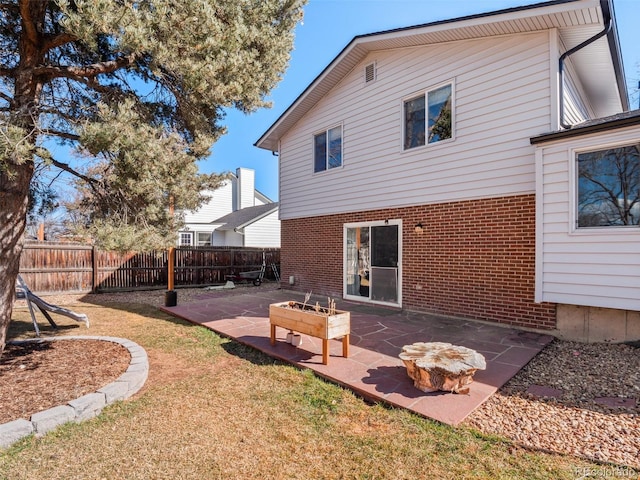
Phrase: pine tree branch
(6, 98)
(67, 168)
(60, 134)
(9, 7)
(54, 41)
(28, 21)
(87, 71)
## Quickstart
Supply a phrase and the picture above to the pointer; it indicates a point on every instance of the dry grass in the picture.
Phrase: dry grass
(214, 409)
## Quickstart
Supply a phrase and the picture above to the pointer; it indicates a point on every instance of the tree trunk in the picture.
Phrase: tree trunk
(16, 178)
(13, 219)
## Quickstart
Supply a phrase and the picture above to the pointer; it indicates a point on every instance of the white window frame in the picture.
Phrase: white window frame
(573, 192)
(425, 94)
(313, 147)
(198, 239)
(185, 234)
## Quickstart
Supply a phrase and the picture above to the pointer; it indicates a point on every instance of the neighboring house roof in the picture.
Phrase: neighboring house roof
(246, 216)
(620, 120)
(599, 66)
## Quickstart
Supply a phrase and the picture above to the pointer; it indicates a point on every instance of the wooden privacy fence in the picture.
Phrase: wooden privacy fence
(53, 268)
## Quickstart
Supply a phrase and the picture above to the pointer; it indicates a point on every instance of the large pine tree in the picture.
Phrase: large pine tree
(138, 88)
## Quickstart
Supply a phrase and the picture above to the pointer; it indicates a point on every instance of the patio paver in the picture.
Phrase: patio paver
(373, 369)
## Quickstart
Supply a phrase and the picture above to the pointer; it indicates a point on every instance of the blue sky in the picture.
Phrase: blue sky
(328, 26)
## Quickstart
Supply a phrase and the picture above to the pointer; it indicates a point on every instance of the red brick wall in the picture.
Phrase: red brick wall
(475, 259)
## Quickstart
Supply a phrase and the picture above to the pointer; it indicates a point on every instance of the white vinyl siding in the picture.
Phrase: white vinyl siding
(220, 203)
(590, 267)
(502, 98)
(245, 194)
(218, 238)
(265, 233)
(575, 110)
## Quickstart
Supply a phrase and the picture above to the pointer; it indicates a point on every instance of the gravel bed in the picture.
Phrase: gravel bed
(574, 419)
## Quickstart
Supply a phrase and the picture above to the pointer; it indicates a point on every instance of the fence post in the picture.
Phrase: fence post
(94, 269)
(171, 296)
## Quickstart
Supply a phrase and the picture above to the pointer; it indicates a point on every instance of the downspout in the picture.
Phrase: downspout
(589, 41)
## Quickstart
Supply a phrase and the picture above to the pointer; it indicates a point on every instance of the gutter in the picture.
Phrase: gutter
(587, 42)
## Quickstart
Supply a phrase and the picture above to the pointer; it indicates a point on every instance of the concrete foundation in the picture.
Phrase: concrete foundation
(592, 324)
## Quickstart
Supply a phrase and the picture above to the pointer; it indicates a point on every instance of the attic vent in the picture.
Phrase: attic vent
(370, 73)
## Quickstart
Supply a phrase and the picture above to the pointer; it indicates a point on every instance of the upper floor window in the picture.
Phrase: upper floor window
(427, 117)
(327, 149)
(609, 187)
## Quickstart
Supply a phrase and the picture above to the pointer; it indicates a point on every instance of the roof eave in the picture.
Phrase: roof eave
(629, 120)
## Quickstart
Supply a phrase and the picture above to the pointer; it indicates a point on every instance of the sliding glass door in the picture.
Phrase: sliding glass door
(372, 262)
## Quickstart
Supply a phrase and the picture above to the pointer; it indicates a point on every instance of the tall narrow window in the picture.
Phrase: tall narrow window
(428, 118)
(328, 149)
(414, 125)
(609, 187)
(439, 114)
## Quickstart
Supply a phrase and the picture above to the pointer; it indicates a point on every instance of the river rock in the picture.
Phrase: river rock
(441, 366)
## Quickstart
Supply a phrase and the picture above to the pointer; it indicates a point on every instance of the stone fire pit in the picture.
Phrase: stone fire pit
(441, 366)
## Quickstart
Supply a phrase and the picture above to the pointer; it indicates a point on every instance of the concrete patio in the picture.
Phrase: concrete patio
(373, 369)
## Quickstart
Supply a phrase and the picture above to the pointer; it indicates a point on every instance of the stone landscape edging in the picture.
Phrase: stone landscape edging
(87, 406)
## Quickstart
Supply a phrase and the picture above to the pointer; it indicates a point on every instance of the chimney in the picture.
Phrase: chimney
(246, 188)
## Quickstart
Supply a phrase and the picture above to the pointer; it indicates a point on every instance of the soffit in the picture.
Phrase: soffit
(576, 21)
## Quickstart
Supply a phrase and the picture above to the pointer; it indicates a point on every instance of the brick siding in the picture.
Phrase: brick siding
(475, 259)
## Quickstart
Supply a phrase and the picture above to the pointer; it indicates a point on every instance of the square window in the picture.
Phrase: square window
(428, 118)
(609, 187)
(327, 148)
(204, 239)
(186, 239)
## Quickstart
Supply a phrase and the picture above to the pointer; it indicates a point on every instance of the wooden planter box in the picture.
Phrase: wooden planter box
(292, 316)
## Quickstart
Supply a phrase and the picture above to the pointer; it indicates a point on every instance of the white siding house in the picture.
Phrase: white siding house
(415, 171)
(215, 223)
(591, 268)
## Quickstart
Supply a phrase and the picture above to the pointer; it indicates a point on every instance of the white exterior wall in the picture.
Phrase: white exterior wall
(263, 233)
(502, 97)
(218, 239)
(575, 109)
(233, 239)
(245, 188)
(220, 204)
(596, 267)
